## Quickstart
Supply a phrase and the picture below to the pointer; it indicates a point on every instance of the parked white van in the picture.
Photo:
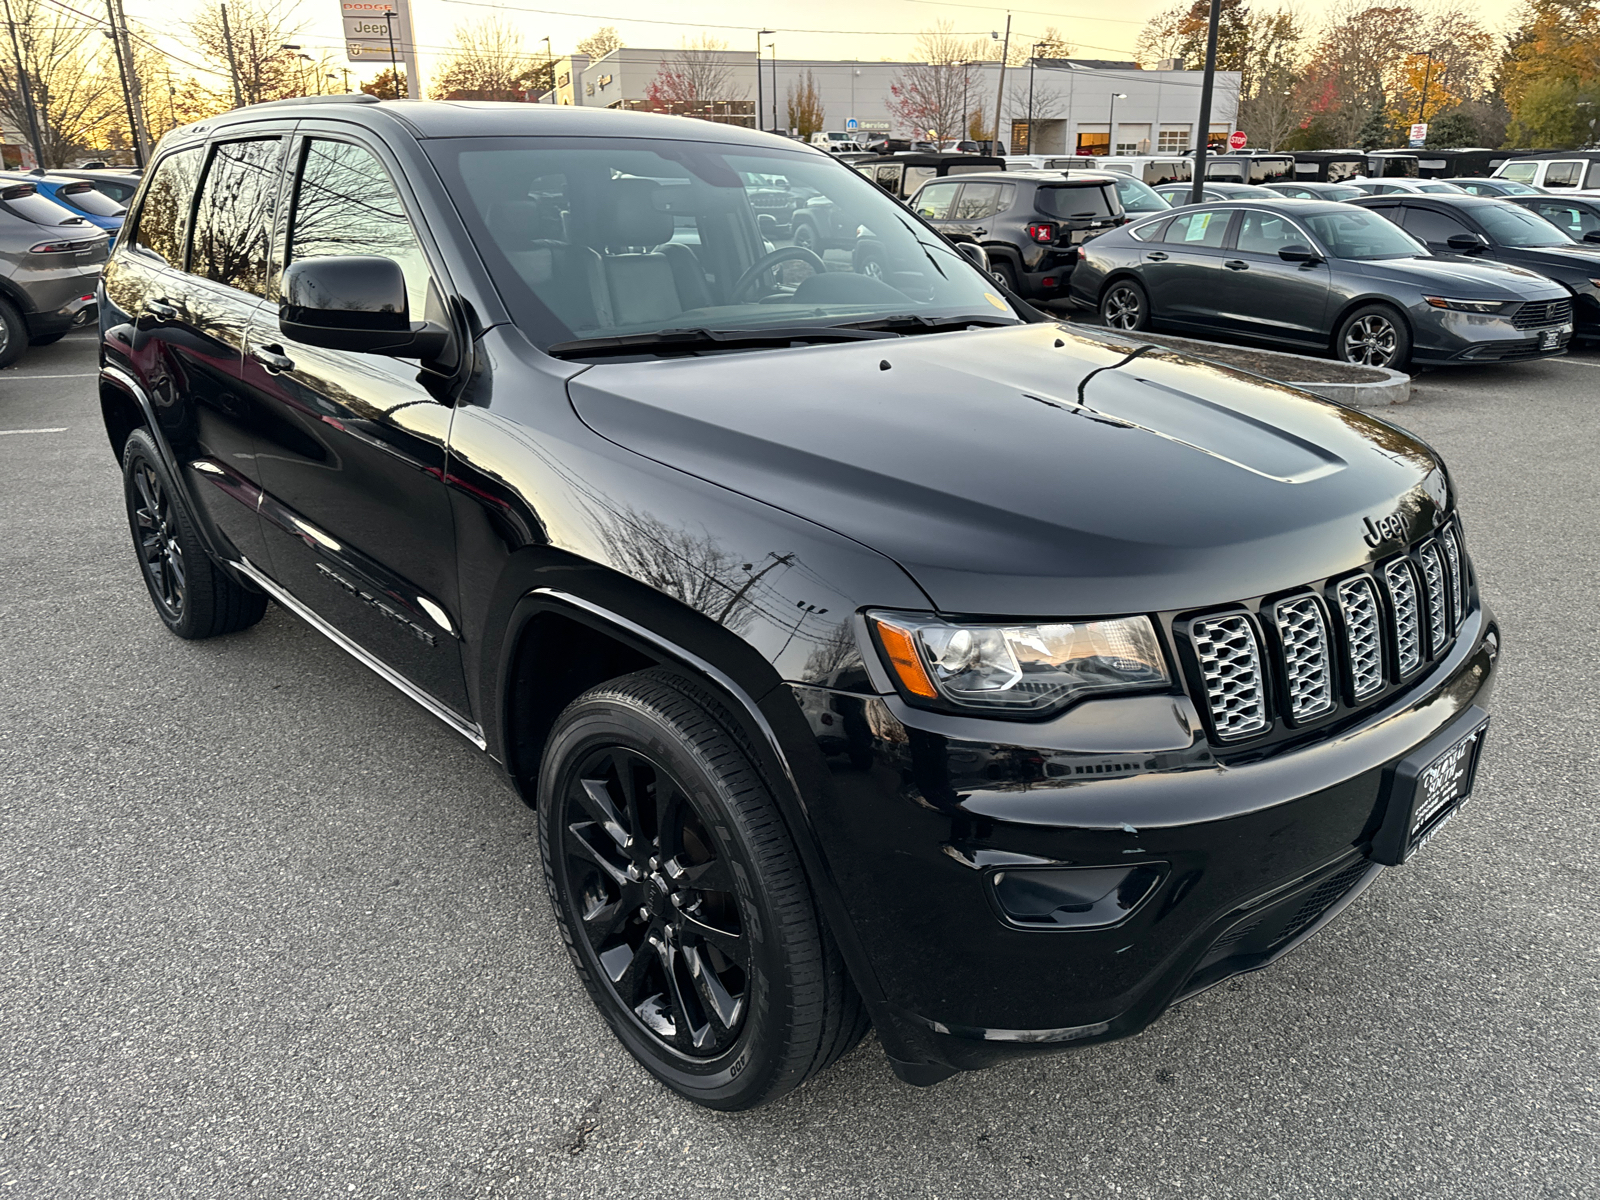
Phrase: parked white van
(1554, 172)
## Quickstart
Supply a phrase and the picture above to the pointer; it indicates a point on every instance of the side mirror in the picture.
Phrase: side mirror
(1466, 243)
(1592, 236)
(768, 225)
(976, 255)
(355, 303)
(1295, 252)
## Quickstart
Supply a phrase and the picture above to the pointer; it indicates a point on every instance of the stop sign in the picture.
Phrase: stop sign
(1236, 140)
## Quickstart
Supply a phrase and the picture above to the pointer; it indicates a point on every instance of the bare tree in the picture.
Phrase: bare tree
(487, 62)
(697, 75)
(939, 90)
(601, 42)
(259, 30)
(74, 86)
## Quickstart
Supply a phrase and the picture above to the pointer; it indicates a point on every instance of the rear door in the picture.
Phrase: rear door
(1183, 270)
(977, 205)
(1264, 296)
(354, 461)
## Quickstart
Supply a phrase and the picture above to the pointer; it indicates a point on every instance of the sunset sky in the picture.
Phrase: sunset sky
(866, 29)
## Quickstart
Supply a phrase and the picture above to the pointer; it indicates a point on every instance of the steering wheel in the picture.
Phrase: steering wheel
(767, 261)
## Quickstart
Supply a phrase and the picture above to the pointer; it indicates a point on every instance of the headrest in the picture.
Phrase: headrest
(626, 215)
(516, 223)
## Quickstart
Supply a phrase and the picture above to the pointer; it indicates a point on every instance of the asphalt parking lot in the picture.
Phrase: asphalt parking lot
(269, 929)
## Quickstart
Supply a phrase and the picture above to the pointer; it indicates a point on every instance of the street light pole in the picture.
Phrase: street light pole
(1000, 92)
(1111, 123)
(760, 99)
(773, 46)
(1197, 192)
(1033, 58)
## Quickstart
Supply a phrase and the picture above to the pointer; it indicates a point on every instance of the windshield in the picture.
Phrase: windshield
(609, 237)
(1078, 201)
(1510, 188)
(1512, 226)
(87, 198)
(1361, 234)
(1137, 196)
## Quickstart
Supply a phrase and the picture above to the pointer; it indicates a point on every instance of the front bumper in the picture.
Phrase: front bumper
(1443, 337)
(926, 814)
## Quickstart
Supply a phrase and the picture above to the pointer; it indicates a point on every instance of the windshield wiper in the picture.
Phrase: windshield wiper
(687, 341)
(916, 323)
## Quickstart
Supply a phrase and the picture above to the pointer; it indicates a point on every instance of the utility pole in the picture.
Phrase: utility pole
(127, 94)
(773, 46)
(1000, 93)
(27, 92)
(141, 133)
(760, 100)
(233, 61)
(1196, 193)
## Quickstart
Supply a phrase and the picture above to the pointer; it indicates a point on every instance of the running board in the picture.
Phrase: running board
(383, 670)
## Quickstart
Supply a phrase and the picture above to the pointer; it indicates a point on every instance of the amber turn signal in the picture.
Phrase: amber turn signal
(907, 663)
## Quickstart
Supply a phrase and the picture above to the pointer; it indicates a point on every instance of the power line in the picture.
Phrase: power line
(594, 16)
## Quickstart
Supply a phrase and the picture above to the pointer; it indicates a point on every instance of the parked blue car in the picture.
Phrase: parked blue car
(78, 196)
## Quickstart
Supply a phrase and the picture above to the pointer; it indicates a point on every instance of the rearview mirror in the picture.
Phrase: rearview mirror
(1467, 243)
(976, 255)
(1295, 252)
(357, 303)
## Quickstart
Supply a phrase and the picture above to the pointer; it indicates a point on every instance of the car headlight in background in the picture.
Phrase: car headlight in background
(1019, 669)
(1476, 306)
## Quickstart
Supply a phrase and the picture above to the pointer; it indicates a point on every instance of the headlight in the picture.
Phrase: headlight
(1477, 306)
(1018, 669)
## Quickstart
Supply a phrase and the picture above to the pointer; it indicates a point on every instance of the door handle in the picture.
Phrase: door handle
(1234, 264)
(161, 310)
(1156, 256)
(272, 358)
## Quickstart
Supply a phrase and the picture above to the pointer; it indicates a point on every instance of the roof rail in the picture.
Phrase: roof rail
(344, 98)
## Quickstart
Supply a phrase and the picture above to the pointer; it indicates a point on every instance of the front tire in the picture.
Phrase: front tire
(193, 596)
(804, 235)
(1374, 335)
(1126, 306)
(681, 897)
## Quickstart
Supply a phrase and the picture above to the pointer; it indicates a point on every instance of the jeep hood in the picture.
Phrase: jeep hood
(967, 458)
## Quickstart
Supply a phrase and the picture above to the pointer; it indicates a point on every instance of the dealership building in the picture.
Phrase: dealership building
(1074, 101)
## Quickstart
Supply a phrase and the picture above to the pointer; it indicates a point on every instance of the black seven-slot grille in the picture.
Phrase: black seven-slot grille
(1299, 658)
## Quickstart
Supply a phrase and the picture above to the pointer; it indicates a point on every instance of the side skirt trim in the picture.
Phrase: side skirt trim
(473, 733)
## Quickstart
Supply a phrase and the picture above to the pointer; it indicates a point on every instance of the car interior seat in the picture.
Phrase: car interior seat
(644, 276)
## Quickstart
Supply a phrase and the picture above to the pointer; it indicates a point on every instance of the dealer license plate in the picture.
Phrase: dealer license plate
(1551, 338)
(1443, 786)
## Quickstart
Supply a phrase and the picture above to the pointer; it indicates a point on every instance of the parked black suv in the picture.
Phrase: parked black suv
(1031, 223)
(871, 652)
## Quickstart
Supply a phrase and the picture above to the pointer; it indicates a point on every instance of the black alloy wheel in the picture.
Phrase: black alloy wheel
(1373, 336)
(1125, 306)
(657, 902)
(681, 897)
(193, 596)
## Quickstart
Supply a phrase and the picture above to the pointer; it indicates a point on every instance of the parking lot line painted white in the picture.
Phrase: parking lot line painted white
(1574, 362)
(74, 375)
(61, 429)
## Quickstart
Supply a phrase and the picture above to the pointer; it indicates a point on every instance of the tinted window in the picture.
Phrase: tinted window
(1203, 228)
(85, 197)
(978, 200)
(1360, 233)
(1070, 202)
(1563, 174)
(233, 219)
(164, 215)
(120, 192)
(1269, 170)
(345, 204)
(1571, 219)
(1508, 188)
(1430, 226)
(933, 201)
(40, 209)
(1150, 231)
(1512, 226)
(1267, 233)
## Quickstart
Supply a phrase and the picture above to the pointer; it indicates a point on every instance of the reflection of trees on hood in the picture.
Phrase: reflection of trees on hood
(689, 567)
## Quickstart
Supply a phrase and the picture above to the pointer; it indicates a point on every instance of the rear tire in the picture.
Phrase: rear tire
(681, 897)
(13, 334)
(193, 596)
(1374, 335)
(1125, 305)
(1006, 274)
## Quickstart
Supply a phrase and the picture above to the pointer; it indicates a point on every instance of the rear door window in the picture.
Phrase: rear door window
(1202, 228)
(162, 227)
(233, 220)
(978, 200)
(934, 201)
(1563, 174)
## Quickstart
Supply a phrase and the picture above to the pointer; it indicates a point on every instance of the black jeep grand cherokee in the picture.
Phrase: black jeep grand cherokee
(874, 653)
